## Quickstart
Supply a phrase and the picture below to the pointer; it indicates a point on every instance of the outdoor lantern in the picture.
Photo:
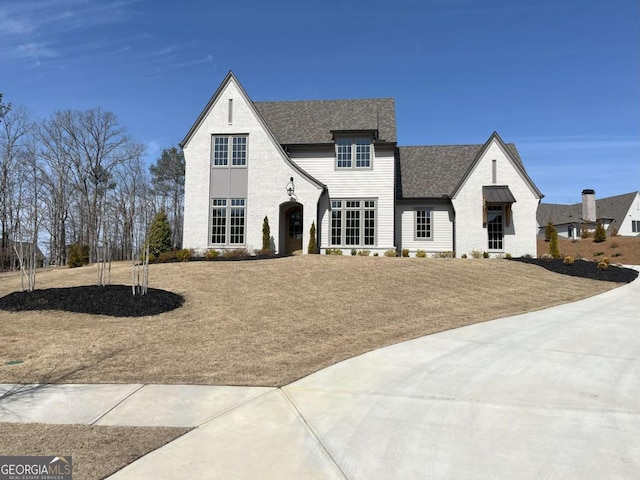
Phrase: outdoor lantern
(290, 187)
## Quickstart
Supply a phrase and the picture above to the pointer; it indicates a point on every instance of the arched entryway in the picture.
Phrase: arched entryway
(292, 222)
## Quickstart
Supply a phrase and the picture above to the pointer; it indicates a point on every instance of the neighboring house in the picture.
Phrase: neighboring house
(620, 213)
(10, 257)
(336, 163)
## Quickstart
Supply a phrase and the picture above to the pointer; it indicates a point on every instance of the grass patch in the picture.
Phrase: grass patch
(97, 451)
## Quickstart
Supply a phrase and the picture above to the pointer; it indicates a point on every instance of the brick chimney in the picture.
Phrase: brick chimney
(589, 205)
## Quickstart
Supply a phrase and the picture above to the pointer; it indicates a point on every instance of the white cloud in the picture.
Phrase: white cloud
(12, 26)
(36, 29)
(206, 59)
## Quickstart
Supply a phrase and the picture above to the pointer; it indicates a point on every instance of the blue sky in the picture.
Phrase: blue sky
(561, 79)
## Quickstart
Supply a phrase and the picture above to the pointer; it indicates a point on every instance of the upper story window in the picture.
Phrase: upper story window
(230, 150)
(353, 153)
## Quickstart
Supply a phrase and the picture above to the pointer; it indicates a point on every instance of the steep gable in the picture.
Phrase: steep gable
(615, 208)
(231, 79)
(436, 170)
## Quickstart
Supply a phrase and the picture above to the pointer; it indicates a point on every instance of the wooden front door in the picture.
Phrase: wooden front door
(293, 229)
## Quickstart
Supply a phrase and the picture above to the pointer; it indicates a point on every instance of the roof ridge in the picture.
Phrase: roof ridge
(443, 145)
(326, 100)
(597, 200)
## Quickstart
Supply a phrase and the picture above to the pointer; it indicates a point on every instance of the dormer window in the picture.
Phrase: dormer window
(353, 153)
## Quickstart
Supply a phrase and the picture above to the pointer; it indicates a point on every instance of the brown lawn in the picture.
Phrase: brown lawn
(268, 322)
(263, 322)
(624, 250)
(97, 452)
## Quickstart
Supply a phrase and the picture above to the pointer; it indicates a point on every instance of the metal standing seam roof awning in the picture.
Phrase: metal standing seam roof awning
(498, 194)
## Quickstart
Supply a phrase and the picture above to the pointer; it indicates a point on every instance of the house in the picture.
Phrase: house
(619, 214)
(9, 256)
(336, 164)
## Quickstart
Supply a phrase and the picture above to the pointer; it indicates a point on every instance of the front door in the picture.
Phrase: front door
(293, 229)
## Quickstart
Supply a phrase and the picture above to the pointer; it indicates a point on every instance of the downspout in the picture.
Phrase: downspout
(453, 209)
(318, 227)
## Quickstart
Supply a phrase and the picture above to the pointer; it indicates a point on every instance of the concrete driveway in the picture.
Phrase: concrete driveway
(553, 394)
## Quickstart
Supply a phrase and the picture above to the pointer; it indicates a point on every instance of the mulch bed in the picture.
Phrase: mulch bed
(111, 300)
(585, 269)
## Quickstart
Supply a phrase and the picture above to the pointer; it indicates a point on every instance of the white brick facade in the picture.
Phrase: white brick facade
(470, 232)
(268, 175)
(456, 221)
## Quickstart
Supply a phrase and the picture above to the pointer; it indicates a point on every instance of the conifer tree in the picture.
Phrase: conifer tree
(313, 243)
(159, 234)
(548, 229)
(266, 234)
(600, 235)
(553, 245)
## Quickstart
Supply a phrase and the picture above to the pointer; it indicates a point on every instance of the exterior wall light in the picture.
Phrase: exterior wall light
(290, 187)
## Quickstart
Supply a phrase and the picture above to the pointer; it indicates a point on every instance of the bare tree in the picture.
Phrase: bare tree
(129, 204)
(55, 151)
(76, 178)
(14, 129)
(97, 145)
(29, 216)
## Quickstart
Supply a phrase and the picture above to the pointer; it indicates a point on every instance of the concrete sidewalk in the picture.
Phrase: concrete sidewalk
(548, 394)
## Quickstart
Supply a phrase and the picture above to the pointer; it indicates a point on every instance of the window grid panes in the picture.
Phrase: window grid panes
(220, 151)
(230, 150)
(336, 223)
(229, 213)
(344, 153)
(237, 220)
(495, 227)
(363, 153)
(239, 151)
(369, 227)
(348, 149)
(423, 224)
(218, 220)
(295, 225)
(352, 230)
(353, 222)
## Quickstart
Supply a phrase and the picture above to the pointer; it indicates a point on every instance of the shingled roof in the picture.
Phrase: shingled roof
(614, 208)
(559, 214)
(436, 170)
(311, 122)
